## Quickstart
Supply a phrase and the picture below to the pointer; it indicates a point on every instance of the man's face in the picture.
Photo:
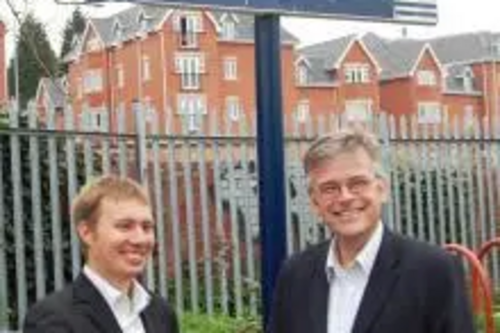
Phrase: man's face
(347, 195)
(121, 241)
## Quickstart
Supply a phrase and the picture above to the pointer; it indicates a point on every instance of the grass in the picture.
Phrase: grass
(201, 323)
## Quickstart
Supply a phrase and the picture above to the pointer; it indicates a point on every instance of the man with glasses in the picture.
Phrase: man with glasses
(365, 278)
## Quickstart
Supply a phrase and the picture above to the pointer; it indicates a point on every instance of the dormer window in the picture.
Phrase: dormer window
(229, 29)
(466, 79)
(143, 24)
(188, 25)
(118, 33)
(496, 48)
(301, 74)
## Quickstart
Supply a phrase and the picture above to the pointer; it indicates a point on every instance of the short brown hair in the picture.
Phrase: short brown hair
(87, 203)
(328, 146)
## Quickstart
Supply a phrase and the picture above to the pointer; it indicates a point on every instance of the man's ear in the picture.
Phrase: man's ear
(385, 189)
(84, 231)
(314, 203)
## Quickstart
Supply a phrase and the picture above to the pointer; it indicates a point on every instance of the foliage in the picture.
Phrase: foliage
(481, 322)
(201, 323)
(27, 217)
(36, 59)
(217, 290)
(74, 28)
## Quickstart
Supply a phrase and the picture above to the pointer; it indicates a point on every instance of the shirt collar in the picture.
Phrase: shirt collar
(365, 259)
(139, 300)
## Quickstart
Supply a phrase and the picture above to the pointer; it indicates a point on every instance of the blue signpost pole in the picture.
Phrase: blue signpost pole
(272, 212)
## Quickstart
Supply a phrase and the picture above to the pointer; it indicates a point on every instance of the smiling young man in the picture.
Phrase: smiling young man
(365, 279)
(114, 221)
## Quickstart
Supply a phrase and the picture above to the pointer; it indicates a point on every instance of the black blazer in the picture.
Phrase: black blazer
(413, 288)
(80, 308)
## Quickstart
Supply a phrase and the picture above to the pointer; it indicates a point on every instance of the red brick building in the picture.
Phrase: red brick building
(182, 65)
(186, 65)
(362, 75)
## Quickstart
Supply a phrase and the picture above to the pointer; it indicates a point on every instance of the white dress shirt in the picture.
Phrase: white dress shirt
(126, 309)
(347, 284)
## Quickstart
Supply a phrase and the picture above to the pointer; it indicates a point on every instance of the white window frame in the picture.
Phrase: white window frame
(233, 108)
(301, 74)
(144, 24)
(194, 25)
(429, 113)
(118, 33)
(149, 110)
(190, 66)
(469, 115)
(93, 44)
(228, 29)
(468, 79)
(146, 68)
(357, 73)
(192, 108)
(92, 81)
(359, 110)
(79, 87)
(120, 76)
(426, 77)
(230, 68)
(303, 111)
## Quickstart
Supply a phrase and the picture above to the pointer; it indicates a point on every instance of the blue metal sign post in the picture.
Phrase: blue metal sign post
(272, 212)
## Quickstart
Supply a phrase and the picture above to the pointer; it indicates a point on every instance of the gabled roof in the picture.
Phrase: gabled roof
(426, 49)
(55, 90)
(405, 54)
(466, 48)
(317, 73)
(394, 58)
(327, 56)
(128, 20)
(245, 26)
(330, 51)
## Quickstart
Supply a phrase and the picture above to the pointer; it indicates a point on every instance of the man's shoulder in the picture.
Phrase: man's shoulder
(160, 303)
(59, 300)
(425, 253)
(309, 257)
(53, 309)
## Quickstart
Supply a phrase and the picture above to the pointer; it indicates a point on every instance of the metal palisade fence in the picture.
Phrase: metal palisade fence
(445, 181)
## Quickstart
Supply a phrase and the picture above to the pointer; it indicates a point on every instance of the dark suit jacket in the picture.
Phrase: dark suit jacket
(80, 308)
(413, 288)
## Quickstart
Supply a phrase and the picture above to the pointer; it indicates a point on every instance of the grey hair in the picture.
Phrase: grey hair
(327, 147)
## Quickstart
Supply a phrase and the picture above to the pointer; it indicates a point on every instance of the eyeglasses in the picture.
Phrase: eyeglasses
(355, 185)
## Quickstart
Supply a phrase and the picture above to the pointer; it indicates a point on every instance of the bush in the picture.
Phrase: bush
(481, 322)
(27, 218)
(202, 323)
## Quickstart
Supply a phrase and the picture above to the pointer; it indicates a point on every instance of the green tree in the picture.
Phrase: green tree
(75, 26)
(36, 59)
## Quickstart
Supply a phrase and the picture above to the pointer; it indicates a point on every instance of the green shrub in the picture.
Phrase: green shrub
(202, 323)
(481, 322)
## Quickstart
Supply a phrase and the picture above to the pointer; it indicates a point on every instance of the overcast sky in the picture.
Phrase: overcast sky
(455, 16)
